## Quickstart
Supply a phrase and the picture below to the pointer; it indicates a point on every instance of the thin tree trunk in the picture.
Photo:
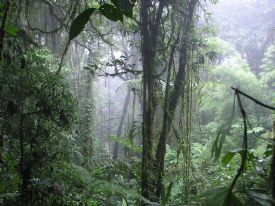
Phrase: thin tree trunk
(3, 26)
(131, 134)
(119, 130)
(88, 122)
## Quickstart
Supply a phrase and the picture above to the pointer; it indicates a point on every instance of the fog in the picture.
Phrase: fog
(137, 102)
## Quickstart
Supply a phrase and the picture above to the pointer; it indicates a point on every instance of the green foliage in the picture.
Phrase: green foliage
(220, 139)
(40, 110)
(218, 128)
(126, 7)
(165, 195)
(229, 156)
(261, 198)
(79, 23)
(54, 143)
(10, 29)
(127, 143)
(267, 74)
(113, 12)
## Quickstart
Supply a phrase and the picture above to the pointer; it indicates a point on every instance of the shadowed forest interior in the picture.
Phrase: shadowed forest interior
(137, 102)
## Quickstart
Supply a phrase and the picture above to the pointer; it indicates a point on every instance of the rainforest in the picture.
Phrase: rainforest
(137, 103)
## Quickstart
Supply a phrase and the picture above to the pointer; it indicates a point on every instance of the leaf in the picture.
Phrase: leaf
(228, 157)
(220, 197)
(91, 202)
(10, 29)
(217, 147)
(127, 144)
(111, 12)
(124, 202)
(220, 139)
(79, 23)
(162, 197)
(256, 130)
(269, 151)
(215, 197)
(125, 6)
(166, 195)
(103, 186)
(234, 201)
(261, 198)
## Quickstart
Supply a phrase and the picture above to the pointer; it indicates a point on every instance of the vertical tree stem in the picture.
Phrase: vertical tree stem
(3, 25)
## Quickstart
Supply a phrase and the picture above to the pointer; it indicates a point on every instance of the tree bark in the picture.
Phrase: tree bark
(152, 168)
(87, 125)
(119, 130)
(2, 36)
(3, 26)
(87, 122)
(149, 33)
(171, 105)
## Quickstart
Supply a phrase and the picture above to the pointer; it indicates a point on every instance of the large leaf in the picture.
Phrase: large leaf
(79, 23)
(218, 144)
(229, 156)
(220, 197)
(111, 12)
(234, 200)
(168, 194)
(105, 187)
(220, 138)
(269, 151)
(214, 197)
(124, 202)
(165, 195)
(261, 198)
(125, 6)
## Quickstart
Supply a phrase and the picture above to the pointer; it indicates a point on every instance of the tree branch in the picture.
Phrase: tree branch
(253, 99)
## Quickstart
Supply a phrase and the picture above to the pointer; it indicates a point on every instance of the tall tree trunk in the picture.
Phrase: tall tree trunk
(119, 130)
(88, 121)
(2, 36)
(169, 110)
(149, 32)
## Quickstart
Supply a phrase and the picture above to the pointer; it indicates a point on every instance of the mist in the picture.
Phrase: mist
(137, 102)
